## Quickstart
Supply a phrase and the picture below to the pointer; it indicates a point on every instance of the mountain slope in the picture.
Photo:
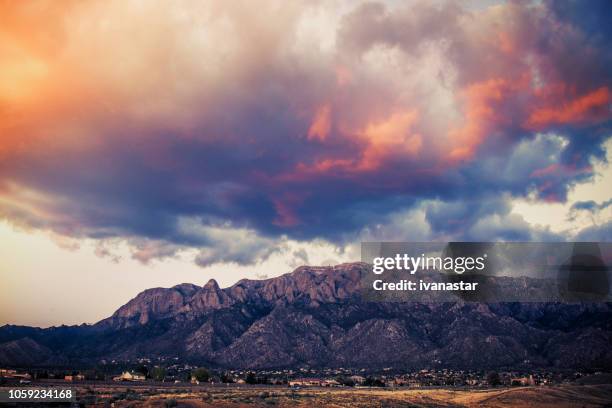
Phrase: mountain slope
(23, 351)
(315, 316)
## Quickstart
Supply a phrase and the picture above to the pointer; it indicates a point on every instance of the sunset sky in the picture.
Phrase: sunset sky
(147, 144)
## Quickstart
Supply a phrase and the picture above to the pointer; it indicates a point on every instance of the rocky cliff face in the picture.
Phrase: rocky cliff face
(312, 285)
(316, 317)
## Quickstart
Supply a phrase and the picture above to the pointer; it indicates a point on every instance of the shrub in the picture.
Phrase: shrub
(493, 379)
(250, 378)
(201, 374)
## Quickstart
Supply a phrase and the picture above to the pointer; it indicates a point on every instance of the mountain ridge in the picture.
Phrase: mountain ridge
(315, 316)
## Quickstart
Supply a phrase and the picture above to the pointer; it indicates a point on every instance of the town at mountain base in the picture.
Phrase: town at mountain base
(316, 317)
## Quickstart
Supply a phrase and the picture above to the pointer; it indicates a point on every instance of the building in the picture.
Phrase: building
(357, 379)
(522, 381)
(400, 382)
(4, 372)
(306, 382)
(129, 376)
(313, 382)
(77, 377)
(331, 383)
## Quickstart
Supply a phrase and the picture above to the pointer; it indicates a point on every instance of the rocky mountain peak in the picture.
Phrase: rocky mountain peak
(211, 285)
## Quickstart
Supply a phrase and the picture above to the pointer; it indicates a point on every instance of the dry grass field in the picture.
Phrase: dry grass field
(560, 396)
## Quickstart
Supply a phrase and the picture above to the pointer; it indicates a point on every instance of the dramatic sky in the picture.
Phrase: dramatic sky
(151, 143)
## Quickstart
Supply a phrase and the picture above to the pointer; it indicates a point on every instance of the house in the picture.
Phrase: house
(472, 382)
(313, 382)
(77, 377)
(129, 376)
(414, 383)
(331, 383)
(22, 376)
(4, 372)
(399, 381)
(522, 381)
(357, 379)
(306, 382)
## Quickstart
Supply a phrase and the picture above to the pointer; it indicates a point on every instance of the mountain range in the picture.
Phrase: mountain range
(316, 317)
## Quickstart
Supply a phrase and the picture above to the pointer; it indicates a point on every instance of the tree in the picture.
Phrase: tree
(250, 378)
(345, 381)
(373, 382)
(158, 373)
(201, 374)
(142, 369)
(227, 378)
(493, 379)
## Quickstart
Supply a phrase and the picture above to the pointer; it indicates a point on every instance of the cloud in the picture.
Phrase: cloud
(509, 227)
(485, 219)
(300, 257)
(239, 246)
(596, 233)
(591, 206)
(594, 217)
(203, 126)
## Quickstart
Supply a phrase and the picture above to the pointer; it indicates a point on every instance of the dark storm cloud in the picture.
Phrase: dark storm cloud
(221, 130)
